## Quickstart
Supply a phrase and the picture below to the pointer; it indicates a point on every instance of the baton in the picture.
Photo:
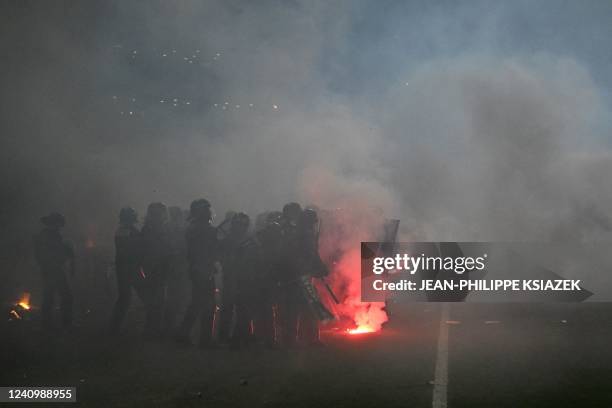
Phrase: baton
(330, 291)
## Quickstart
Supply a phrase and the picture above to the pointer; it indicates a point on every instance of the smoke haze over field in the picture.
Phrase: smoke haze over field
(469, 121)
(477, 121)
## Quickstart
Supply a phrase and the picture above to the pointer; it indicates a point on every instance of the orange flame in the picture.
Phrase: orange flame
(361, 330)
(24, 302)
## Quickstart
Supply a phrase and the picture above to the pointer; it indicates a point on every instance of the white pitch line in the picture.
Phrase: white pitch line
(440, 391)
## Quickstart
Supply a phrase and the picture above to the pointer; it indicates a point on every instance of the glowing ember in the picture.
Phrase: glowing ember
(21, 307)
(361, 330)
(24, 302)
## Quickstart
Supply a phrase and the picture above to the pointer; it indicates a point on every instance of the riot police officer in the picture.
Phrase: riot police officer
(203, 257)
(290, 296)
(156, 261)
(177, 272)
(128, 264)
(52, 255)
(310, 266)
(238, 263)
(268, 267)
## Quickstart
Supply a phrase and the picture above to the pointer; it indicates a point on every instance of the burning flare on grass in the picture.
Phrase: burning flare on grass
(24, 302)
(361, 330)
(21, 307)
(368, 317)
(341, 242)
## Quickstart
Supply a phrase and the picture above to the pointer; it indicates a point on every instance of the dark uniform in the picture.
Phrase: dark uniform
(128, 266)
(300, 306)
(52, 254)
(242, 286)
(156, 261)
(176, 287)
(203, 257)
(269, 245)
(291, 301)
(226, 297)
(310, 266)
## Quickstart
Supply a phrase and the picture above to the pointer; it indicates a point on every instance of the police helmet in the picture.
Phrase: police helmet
(53, 220)
(128, 216)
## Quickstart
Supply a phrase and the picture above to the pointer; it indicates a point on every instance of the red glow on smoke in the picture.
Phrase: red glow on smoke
(340, 243)
(367, 316)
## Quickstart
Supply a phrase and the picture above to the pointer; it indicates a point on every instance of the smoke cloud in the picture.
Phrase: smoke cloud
(473, 127)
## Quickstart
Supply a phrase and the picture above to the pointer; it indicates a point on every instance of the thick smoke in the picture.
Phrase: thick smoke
(454, 128)
(489, 149)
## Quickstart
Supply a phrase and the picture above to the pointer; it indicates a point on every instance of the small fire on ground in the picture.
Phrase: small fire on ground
(20, 309)
(361, 330)
(24, 302)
